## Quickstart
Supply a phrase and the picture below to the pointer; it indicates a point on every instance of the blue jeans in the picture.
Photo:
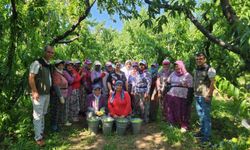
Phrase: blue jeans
(203, 109)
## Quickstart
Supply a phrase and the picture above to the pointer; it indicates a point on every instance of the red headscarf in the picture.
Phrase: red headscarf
(182, 67)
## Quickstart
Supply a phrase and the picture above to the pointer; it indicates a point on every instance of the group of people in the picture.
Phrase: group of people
(134, 90)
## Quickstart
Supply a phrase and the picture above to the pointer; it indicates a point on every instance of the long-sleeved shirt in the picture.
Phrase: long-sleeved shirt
(120, 107)
(86, 80)
(142, 82)
(70, 80)
(114, 76)
(162, 79)
(95, 103)
(185, 80)
(60, 82)
(96, 77)
(76, 84)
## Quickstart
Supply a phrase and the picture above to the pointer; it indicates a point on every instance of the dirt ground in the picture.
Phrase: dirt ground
(150, 138)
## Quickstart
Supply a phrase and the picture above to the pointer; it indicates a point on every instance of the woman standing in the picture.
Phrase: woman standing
(59, 94)
(74, 106)
(178, 109)
(161, 85)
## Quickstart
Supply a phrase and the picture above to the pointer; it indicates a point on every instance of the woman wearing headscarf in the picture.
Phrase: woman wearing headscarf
(141, 90)
(86, 85)
(119, 103)
(154, 103)
(178, 108)
(74, 106)
(97, 74)
(131, 83)
(58, 96)
(161, 84)
(96, 103)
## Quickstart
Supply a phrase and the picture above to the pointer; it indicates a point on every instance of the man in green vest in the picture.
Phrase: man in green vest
(204, 76)
(40, 83)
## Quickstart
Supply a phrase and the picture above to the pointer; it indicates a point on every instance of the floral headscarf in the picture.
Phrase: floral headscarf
(182, 67)
(118, 82)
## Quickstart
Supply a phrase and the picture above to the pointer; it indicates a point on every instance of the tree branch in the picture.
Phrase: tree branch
(209, 35)
(228, 11)
(198, 25)
(68, 41)
(73, 27)
(13, 38)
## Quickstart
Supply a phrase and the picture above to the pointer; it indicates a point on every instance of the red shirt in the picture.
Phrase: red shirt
(76, 84)
(120, 107)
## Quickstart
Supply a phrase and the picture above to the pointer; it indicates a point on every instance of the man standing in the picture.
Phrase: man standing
(40, 83)
(203, 90)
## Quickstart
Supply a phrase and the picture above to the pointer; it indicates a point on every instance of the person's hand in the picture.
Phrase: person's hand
(35, 96)
(159, 94)
(111, 91)
(208, 98)
(62, 101)
(84, 73)
(103, 74)
(146, 96)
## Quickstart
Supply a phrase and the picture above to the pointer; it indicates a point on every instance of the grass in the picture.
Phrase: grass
(227, 133)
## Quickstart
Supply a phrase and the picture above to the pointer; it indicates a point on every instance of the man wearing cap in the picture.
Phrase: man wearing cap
(161, 85)
(58, 96)
(127, 68)
(141, 90)
(40, 83)
(203, 90)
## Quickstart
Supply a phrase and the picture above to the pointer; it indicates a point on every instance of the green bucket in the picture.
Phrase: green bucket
(136, 125)
(121, 125)
(93, 124)
(107, 124)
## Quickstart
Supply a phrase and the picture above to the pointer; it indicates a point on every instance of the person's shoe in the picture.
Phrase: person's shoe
(205, 143)
(75, 119)
(183, 130)
(246, 123)
(68, 124)
(55, 128)
(40, 142)
(43, 135)
(198, 135)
